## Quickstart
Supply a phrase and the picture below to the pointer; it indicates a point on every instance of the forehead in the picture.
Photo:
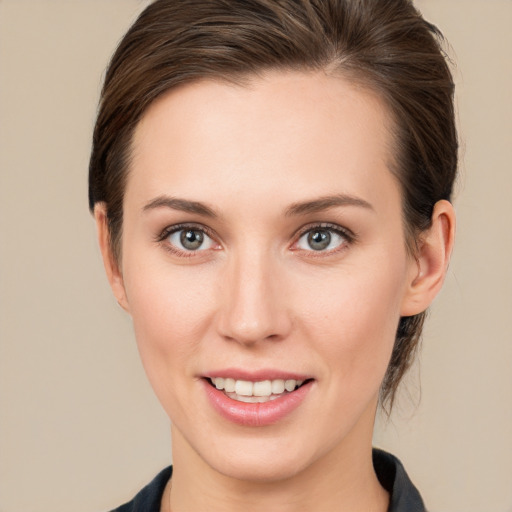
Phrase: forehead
(299, 132)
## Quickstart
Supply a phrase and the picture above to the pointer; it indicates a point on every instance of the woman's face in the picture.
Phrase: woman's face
(263, 241)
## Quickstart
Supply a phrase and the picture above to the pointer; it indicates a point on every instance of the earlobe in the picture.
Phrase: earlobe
(434, 251)
(110, 263)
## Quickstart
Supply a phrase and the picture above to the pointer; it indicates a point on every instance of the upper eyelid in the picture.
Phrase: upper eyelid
(162, 239)
(328, 226)
(348, 235)
(169, 230)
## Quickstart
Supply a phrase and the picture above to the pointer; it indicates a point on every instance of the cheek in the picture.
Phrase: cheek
(354, 318)
(171, 308)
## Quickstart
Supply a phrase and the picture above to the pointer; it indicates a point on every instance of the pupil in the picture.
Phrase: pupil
(319, 240)
(191, 239)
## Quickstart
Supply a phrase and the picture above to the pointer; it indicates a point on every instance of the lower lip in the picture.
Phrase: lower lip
(256, 414)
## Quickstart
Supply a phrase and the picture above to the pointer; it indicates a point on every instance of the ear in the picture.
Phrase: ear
(429, 270)
(114, 274)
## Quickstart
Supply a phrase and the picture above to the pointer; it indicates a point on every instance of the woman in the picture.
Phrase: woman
(270, 182)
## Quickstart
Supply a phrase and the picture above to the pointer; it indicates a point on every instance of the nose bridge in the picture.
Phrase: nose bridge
(253, 308)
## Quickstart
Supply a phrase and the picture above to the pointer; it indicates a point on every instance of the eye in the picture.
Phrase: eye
(323, 239)
(188, 239)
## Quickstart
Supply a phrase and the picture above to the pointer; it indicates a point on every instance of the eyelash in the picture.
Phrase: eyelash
(349, 237)
(345, 233)
(170, 230)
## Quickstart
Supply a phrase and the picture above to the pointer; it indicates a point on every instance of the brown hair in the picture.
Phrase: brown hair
(382, 44)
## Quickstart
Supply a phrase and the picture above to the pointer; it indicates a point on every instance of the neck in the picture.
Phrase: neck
(343, 480)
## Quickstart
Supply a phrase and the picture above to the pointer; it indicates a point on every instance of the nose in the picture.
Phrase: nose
(254, 306)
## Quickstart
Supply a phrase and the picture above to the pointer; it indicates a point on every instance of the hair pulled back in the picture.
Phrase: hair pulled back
(382, 44)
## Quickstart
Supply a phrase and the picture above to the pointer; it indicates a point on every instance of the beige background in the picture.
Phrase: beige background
(79, 428)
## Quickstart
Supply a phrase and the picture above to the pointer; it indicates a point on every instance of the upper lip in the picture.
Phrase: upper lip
(256, 375)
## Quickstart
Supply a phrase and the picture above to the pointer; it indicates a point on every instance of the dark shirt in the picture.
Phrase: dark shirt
(404, 497)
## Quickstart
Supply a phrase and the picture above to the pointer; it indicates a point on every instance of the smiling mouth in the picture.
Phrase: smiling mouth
(258, 391)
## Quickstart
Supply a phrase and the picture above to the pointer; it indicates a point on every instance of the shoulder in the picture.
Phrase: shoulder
(404, 497)
(149, 498)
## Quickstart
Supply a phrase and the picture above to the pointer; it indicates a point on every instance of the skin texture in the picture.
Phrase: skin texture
(257, 296)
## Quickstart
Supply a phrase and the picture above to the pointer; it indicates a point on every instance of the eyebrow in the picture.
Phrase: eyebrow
(299, 208)
(325, 203)
(183, 205)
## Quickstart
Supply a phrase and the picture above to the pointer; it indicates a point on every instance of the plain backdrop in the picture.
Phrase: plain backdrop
(80, 429)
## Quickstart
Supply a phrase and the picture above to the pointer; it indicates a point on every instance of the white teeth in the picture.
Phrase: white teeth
(277, 386)
(250, 399)
(247, 391)
(263, 388)
(243, 387)
(289, 385)
(229, 385)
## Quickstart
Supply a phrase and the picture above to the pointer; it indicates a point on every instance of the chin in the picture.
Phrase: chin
(263, 467)
(272, 456)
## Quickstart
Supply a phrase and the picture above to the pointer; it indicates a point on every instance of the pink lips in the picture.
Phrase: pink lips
(256, 414)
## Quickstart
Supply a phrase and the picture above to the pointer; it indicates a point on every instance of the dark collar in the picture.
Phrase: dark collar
(404, 497)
